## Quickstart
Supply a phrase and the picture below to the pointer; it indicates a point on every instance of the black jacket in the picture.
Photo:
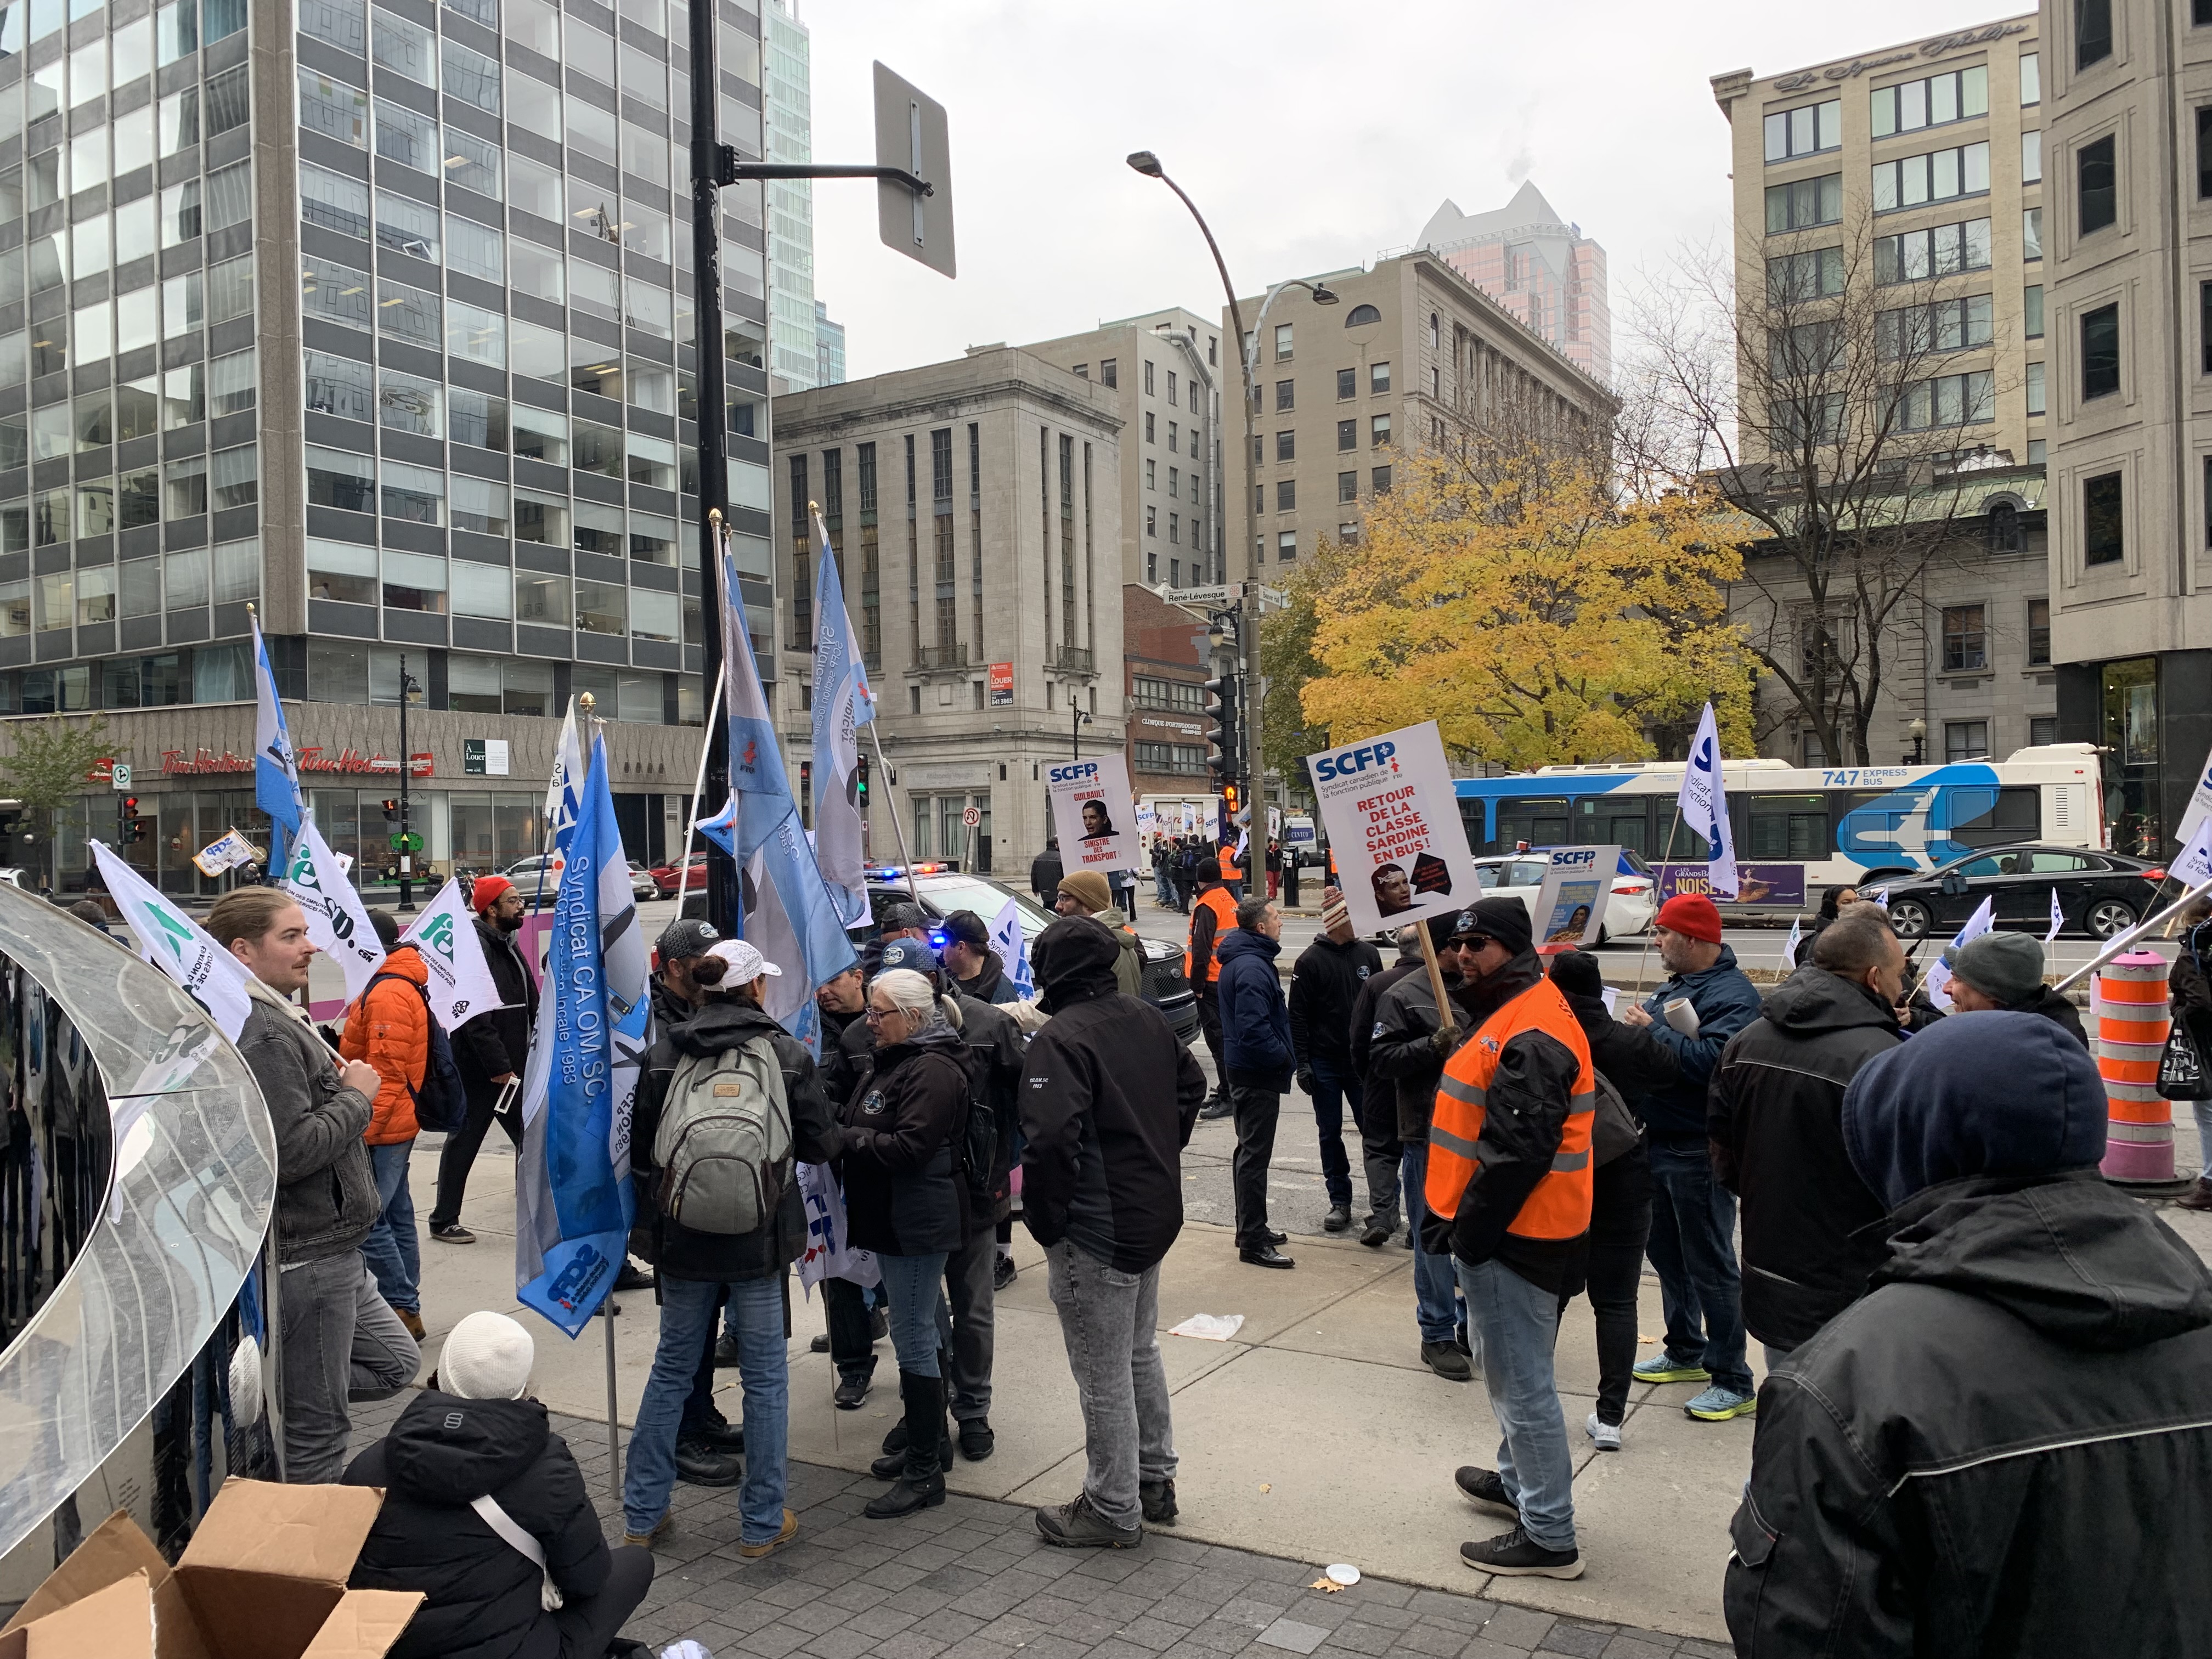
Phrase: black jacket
(1400, 1054)
(2005, 1449)
(2188, 988)
(1378, 1095)
(1045, 871)
(1812, 1230)
(497, 1042)
(1324, 985)
(1203, 926)
(1108, 1098)
(442, 1454)
(1626, 1056)
(723, 1023)
(848, 1051)
(995, 1059)
(904, 1191)
(990, 984)
(2044, 1000)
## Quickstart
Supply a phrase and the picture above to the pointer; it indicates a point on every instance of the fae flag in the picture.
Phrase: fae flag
(1393, 820)
(175, 943)
(461, 985)
(337, 921)
(1704, 805)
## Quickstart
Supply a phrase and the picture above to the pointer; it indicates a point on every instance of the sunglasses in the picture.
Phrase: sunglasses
(1472, 941)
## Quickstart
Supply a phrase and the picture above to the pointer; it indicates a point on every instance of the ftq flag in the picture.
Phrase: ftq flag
(337, 921)
(841, 707)
(573, 1202)
(275, 768)
(1704, 805)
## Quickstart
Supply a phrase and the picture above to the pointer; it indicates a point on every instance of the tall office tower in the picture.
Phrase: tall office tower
(786, 87)
(828, 347)
(380, 318)
(1538, 267)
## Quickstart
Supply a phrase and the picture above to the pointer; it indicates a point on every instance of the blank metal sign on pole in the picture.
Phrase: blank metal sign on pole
(911, 135)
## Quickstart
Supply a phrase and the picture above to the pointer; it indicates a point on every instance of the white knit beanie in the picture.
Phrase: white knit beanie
(488, 1357)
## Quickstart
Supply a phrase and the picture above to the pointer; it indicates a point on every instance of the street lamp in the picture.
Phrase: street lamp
(410, 689)
(1145, 162)
(1076, 722)
(1918, 733)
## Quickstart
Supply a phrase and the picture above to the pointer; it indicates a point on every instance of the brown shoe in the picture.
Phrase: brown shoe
(2198, 1197)
(769, 1546)
(413, 1321)
(659, 1530)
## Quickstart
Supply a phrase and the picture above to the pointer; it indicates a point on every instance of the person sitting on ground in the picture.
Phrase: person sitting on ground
(2021, 1392)
(1995, 970)
(471, 1474)
(1085, 893)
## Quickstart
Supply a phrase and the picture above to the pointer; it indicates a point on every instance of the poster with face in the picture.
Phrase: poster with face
(1094, 814)
(1571, 904)
(1393, 822)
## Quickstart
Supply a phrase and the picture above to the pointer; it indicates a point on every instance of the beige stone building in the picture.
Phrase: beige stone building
(975, 506)
(1167, 370)
(1412, 356)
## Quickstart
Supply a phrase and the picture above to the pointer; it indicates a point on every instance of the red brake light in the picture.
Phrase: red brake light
(1630, 887)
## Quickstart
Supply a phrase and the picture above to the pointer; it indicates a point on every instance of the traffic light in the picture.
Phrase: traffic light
(392, 811)
(128, 826)
(1220, 710)
(1228, 798)
(860, 784)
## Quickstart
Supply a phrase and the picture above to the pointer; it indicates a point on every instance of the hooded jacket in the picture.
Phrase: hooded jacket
(1129, 966)
(990, 984)
(1255, 1024)
(497, 1042)
(904, 1191)
(389, 1028)
(1378, 1095)
(1726, 1002)
(326, 1197)
(1108, 1098)
(442, 1454)
(1812, 1230)
(723, 1023)
(1324, 985)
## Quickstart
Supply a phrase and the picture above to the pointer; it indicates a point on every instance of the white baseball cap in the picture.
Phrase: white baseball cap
(746, 963)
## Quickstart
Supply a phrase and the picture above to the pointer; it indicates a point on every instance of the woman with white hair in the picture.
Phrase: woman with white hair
(485, 1513)
(906, 1199)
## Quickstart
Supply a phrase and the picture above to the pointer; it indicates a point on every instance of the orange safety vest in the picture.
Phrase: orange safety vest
(1224, 921)
(1560, 1207)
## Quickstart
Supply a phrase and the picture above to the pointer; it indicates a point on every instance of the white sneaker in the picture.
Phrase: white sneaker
(1608, 1434)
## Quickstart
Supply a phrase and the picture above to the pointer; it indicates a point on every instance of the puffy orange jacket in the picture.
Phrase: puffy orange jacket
(389, 1028)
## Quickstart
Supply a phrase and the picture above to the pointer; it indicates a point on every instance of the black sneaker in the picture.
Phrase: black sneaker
(633, 1278)
(452, 1233)
(1338, 1219)
(1485, 1488)
(1215, 1109)
(698, 1464)
(1158, 1499)
(726, 1351)
(1377, 1236)
(976, 1440)
(1077, 1526)
(819, 1345)
(1002, 1272)
(1515, 1554)
(851, 1391)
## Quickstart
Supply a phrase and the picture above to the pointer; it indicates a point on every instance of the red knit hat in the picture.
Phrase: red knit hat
(1691, 914)
(486, 891)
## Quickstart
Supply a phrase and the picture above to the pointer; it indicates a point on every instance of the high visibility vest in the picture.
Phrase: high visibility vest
(1560, 1207)
(1225, 920)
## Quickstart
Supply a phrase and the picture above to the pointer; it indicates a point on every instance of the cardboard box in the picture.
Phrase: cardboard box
(264, 1577)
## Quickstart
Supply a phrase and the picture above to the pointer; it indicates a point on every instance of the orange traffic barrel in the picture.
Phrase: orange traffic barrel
(2129, 1006)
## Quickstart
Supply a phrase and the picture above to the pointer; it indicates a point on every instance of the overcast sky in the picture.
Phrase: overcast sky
(1313, 137)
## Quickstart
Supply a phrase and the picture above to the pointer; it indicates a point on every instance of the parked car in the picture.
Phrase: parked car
(1628, 909)
(694, 876)
(642, 887)
(2099, 893)
(942, 891)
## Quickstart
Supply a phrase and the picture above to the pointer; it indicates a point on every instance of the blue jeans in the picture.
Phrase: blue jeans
(391, 1249)
(687, 1325)
(1162, 887)
(920, 1321)
(1692, 1248)
(2203, 1109)
(1331, 1088)
(1519, 1322)
(1432, 1275)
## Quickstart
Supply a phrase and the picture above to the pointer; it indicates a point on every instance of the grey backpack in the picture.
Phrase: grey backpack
(724, 1144)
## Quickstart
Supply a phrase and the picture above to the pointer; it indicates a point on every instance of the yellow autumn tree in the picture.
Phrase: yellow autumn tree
(1535, 615)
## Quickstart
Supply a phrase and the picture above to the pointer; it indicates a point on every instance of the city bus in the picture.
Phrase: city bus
(1799, 830)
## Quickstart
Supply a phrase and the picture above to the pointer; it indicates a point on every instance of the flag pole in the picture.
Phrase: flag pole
(698, 785)
(614, 1433)
(898, 827)
(1645, 960)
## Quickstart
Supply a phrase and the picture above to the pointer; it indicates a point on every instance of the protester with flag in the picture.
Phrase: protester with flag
(842, 704)
(489, 1050)
(275, 767)
(1799, 950)
(978, 970)
(388, 1028)
(731, 1043)
(1999, 970)
(339, 1340)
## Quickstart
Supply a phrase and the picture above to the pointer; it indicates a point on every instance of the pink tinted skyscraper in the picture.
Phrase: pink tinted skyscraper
(1539, 266)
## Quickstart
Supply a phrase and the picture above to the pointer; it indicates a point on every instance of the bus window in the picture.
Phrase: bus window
(2016, 814)
(1539, 821)
(1788, 827)
(1623, 819)
(1686, 846)
(1470, 819)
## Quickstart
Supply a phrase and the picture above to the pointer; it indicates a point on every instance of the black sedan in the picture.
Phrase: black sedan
(2099, 893)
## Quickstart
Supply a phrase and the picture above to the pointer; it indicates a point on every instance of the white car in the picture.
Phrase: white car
(1628, 909)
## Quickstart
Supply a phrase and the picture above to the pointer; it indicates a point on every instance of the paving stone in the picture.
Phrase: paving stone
(1579, 1641)
(1290, 1634)
(1632, 1644)
(1518, 1627)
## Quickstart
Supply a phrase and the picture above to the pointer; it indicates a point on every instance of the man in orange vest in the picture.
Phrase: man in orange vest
(1212, 912)
(1508, 1194)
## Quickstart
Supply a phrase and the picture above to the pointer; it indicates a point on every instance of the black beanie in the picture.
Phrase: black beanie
(1576, 972)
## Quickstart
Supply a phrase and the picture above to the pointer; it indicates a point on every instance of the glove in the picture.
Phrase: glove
(1306, 1080)
(1446, 1040)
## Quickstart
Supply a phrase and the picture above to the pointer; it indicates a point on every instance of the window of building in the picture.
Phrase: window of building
(2036, 449)
(1282, 343)
(2031, 310)
(1939, 176)
(2038, 631)
(1378, 378)
(1964, 740)
(1360, 316)
(1148, 423)
(2204, 150)
(1805, 130)
(1286, 494)
(2100, 351)
(1805, 203)
(1286, 546)
(1151, 520)
(1795, 423)
(1347, 486)
(1152, 474)
(1148, 379)
(2005, 534)
(1957, 324)
(1379, 431)
(2092, 32)
(1797, 278)
(2031, 79)
(1286, 397)
(1347, 383)
(2103, 506)
(1956, 95)
(1348, 432)
(1806, 349)
(1175, 529)
(1948, 400)
(1966, 645)
(2031, 233)
(2096, 174)
(2035, 392)
(1378, 480)
(1171, 386)
(1109, 372)
(2200, 13)
(2031, 158)
(2042, 728)
(1287, 445)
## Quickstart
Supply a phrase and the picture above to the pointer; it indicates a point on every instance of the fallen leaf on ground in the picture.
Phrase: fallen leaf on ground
(1329, 1585)
(1266, 1486)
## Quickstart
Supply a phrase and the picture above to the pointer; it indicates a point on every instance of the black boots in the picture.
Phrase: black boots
(921, 1469)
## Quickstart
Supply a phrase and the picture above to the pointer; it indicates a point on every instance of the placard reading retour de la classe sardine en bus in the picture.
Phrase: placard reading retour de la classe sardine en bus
(1393, 824)
(1094, 814)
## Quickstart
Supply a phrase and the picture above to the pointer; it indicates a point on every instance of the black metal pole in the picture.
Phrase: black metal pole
(723, 903)
(406, 766)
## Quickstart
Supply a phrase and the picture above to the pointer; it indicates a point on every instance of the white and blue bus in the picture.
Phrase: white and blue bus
(1799, 830)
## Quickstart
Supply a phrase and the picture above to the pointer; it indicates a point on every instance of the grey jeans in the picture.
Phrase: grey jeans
(968, 1285)
(1108, 1319)
(340, 1342)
